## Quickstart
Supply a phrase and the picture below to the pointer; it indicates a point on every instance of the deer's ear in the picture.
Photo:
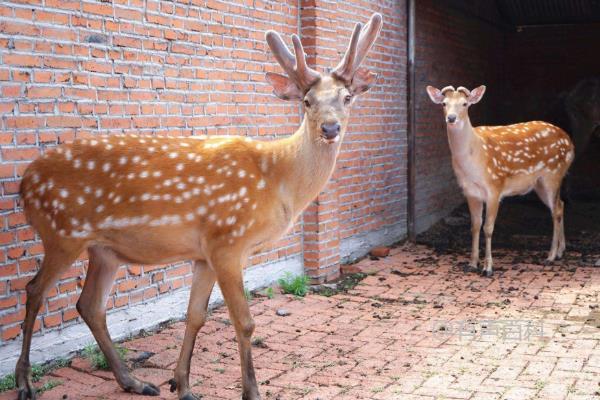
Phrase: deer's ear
(476, 94)
(362, 81)
(284, 87)
(435, 94)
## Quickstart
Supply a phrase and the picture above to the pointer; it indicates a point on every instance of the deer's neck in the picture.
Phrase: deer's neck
(463, 141)
(307, 165)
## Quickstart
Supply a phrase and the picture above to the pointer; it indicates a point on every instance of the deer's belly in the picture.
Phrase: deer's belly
(154, 245)
(518, 185)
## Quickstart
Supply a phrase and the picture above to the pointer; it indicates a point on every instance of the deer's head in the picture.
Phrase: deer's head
(456, 102)
(327, 97)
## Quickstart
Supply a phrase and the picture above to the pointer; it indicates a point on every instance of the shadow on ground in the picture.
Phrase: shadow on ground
(524, 224)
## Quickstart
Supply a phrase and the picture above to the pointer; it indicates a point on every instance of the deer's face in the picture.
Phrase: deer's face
(455, 102)
(326, 97)
(327, 108)
(455, 106)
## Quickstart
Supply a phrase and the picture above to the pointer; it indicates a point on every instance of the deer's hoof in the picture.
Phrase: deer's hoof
(251, 396)
(150, 390)
(172, 385)
(487, 273)
(27, 393)
(23, 380)
(190, 396)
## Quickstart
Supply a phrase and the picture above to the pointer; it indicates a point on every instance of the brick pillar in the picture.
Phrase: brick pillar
(321, 220)
(321, 237)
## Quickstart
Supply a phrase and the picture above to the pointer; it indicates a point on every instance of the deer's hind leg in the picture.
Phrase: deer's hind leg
(102, 268)
(548, 190)
(57, 259)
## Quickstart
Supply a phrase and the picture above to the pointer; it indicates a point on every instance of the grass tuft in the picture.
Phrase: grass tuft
(296, 285)
(7, 383)
(51, 384)
(37, 372)
(270, 293)
(96, 357)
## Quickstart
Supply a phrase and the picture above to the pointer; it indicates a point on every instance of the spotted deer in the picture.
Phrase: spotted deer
(492, 162)
(214, 200)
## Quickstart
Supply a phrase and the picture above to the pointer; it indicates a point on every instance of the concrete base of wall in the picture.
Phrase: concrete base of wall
(358, 246)
(126, 322)
(427, 221)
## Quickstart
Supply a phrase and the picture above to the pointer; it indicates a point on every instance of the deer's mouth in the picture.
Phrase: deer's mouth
(330, 140)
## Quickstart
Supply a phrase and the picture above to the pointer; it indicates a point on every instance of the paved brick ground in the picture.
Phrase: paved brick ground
(383, 339)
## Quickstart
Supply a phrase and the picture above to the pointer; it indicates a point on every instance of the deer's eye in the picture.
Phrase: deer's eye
(464, 104)
(347, 99)
(306, 103)
(444, 104)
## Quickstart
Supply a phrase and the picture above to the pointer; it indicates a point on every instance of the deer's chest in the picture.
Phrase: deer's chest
(470, 176)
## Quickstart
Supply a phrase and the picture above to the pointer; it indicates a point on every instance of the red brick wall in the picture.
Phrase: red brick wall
(71, 68)
(368, 189)
(371, 174)
(452, 48)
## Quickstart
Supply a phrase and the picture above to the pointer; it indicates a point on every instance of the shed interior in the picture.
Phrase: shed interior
(540, 60)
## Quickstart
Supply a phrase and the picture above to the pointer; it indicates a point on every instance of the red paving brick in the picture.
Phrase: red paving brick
(378, 341)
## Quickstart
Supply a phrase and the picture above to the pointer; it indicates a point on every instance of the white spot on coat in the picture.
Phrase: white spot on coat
(201, 210)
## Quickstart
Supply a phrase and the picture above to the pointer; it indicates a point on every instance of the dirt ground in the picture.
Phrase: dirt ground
(417, 327)
(524, 224)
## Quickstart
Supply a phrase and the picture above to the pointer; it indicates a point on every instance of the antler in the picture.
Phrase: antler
(295, 66)
(464, 90)
(360, 44)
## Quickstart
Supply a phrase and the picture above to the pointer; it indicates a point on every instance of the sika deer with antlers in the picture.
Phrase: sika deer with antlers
(492, 162)
(153, 200)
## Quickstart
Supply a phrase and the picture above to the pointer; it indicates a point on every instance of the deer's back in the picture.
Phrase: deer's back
(108, 189)
(525, 148)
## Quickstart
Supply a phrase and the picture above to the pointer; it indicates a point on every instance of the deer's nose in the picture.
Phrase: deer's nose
(451, 118)
(330, 130)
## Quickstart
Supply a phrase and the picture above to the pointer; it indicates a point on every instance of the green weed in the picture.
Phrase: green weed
(296, 285)
(96, 357)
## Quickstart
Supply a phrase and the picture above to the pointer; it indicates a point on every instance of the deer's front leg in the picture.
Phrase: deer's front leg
(229, 276)
(491, 211)
(476, 211)
(202, 285)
